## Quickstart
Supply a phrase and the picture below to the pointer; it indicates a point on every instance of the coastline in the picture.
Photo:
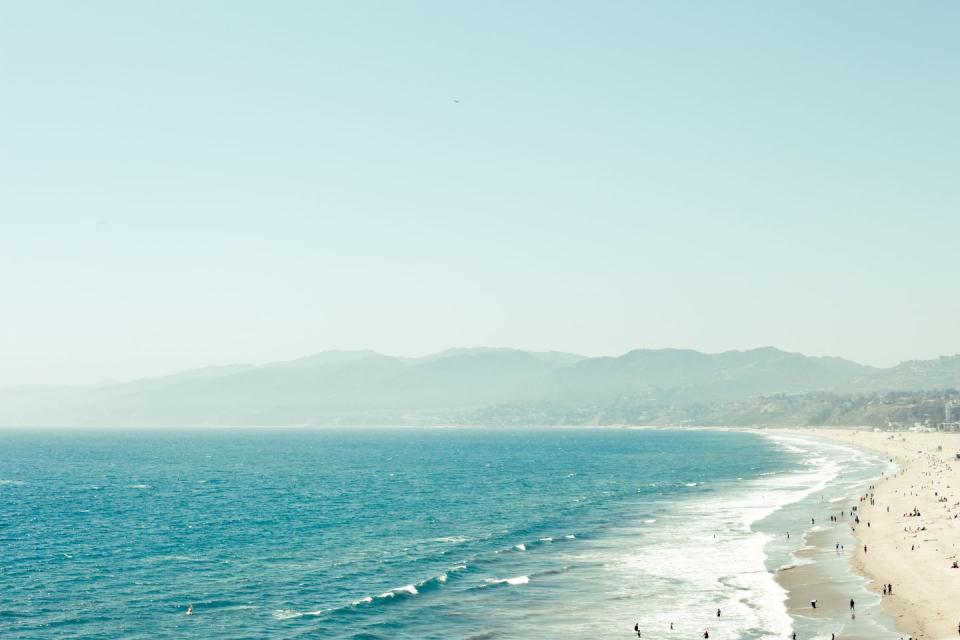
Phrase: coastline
(913, 553)
(805, 556)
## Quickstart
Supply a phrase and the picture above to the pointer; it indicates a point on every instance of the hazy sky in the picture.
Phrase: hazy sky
(193, 183)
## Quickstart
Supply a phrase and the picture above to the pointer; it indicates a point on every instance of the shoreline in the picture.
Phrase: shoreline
(812, 565)
(912, 553)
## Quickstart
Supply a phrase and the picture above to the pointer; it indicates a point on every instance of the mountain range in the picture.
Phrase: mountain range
(470, 386)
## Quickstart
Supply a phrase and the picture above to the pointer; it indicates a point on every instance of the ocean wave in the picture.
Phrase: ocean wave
(453, 539)
(406, 591)
(520, 547)
(12, 482)
(550, 572)
(393, 593)
(286, 614)
(138, 486)
(513, 582)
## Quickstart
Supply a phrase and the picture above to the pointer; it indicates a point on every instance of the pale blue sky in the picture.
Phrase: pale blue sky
(193, 183)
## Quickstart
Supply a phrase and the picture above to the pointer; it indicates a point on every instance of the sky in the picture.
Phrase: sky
(185, 184)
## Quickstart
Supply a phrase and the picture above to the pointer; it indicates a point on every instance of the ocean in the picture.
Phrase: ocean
(413, 533)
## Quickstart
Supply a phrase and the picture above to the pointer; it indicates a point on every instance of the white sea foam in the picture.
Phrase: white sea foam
(12, 482)
(138, 486)
(520, 547)
(511, 581)
(708, 555)
(410, 589)
(286, 614)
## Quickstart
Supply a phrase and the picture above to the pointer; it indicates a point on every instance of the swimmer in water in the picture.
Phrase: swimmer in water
(190, 609)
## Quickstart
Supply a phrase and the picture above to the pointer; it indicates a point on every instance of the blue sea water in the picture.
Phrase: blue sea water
(399, 532)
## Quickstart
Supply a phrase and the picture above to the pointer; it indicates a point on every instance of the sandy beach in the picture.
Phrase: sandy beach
(913, 553)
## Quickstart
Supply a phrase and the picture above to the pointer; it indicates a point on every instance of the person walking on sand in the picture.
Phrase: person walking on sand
(852, 604)
(813, 603)
(718, 613)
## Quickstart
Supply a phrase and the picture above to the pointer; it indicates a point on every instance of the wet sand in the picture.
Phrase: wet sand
(822, 572)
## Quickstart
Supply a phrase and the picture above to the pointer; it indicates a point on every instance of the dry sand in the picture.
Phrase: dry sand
(913, 553)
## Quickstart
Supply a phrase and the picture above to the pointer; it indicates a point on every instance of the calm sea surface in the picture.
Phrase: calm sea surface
(394, 533)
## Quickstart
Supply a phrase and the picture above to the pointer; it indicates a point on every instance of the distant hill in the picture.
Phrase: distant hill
(488, 386)
(944, 372)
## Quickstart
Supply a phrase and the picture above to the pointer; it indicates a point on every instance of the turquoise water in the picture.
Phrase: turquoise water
(392, 533)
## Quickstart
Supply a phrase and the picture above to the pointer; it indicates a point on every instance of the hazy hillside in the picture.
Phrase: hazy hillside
(919, 374)
(494, 386)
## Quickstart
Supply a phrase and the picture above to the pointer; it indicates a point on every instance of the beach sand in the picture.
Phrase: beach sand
(913, 553)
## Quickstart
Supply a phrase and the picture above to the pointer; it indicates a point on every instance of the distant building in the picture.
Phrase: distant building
(951, 411)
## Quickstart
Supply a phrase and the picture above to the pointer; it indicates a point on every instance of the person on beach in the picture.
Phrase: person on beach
(852, 604)
(706, 634)
(718, 613)
(813, 603)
